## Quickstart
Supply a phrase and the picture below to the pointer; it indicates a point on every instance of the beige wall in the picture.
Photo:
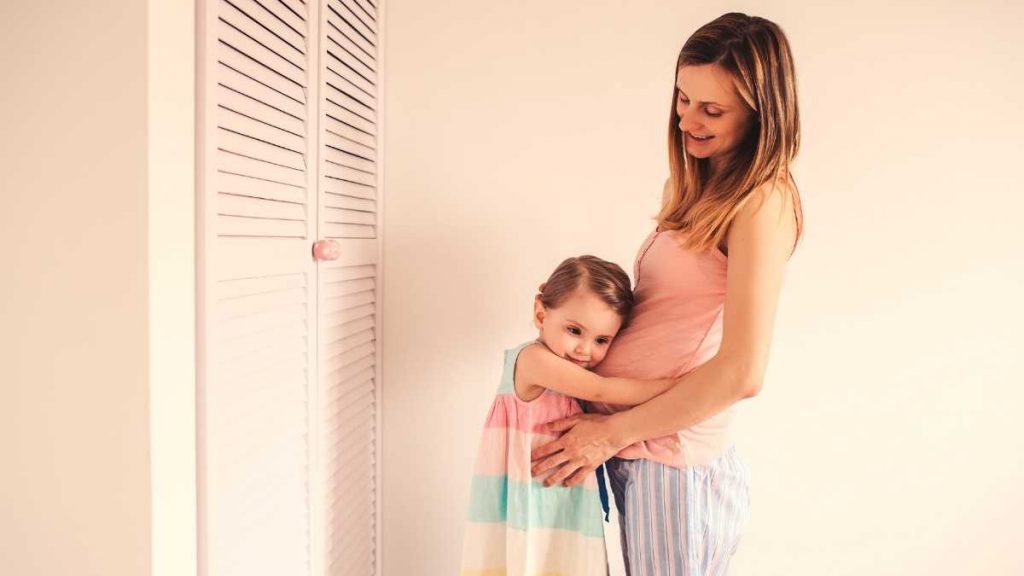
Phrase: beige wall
(96, 243)
(74, 486)
(886, 440)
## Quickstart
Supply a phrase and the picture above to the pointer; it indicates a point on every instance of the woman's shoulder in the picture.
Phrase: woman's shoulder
(771, 210)
(776, 196)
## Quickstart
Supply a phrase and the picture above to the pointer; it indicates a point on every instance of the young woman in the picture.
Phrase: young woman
(708, 282)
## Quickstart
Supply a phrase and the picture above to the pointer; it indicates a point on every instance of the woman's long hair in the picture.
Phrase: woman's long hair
(702, 203)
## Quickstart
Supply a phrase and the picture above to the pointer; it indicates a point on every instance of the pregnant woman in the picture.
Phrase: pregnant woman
(707, 285)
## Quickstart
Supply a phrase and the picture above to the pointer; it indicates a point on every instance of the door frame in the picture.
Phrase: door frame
(171, 283)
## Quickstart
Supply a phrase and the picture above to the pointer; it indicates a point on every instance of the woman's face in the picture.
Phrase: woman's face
(712, 116)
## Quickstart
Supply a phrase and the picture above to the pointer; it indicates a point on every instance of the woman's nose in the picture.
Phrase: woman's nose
(687, 125)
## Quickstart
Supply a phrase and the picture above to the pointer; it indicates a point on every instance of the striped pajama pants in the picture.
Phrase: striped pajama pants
(680, 522)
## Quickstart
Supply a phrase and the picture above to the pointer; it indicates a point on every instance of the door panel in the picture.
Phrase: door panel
(257, 289)
(289, 347)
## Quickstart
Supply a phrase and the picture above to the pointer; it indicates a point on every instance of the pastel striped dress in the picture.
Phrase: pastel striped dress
(516, 526)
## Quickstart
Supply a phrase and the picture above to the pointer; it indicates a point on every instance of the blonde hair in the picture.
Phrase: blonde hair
(755, 52)
(606, 280)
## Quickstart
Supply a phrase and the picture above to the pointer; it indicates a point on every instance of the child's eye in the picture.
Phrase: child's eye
(574, 330)
(602, 341)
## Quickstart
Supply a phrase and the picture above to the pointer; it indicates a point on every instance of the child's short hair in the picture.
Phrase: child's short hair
(605, 279)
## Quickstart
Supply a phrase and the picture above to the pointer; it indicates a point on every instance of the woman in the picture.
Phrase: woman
(708, 282)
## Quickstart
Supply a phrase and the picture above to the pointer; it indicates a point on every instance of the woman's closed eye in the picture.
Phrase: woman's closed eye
(714, 113)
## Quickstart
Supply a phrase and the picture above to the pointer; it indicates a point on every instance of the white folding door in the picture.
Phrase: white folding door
(288, 252)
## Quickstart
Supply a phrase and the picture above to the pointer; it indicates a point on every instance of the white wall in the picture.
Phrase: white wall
(74, 443)
(886, 439)
(97, 429)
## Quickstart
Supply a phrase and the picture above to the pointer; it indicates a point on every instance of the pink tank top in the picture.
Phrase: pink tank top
(676, 326)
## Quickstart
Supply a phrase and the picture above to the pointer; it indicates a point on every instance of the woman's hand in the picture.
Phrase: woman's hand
(588, 442)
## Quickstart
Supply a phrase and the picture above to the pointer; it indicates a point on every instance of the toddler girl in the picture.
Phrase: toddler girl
(516, 525)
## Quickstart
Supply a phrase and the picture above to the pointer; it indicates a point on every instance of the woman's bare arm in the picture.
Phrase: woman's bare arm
(760, 243)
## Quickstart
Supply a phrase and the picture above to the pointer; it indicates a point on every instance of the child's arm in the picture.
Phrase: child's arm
(538, 368)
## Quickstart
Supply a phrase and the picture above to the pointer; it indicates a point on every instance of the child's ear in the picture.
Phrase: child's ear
(538, 313)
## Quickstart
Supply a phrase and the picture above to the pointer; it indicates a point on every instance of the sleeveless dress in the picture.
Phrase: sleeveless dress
(516, 526)
(682, 498)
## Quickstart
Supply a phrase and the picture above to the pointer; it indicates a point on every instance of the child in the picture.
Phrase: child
(516, 526)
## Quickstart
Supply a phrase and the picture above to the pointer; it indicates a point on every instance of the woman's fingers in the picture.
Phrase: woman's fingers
(579, 476)
(548, 463)
(545, 450)
(576, 453)
(561, 474)
(563, 424)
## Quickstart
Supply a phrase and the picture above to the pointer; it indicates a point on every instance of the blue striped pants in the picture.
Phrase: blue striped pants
(680, 522)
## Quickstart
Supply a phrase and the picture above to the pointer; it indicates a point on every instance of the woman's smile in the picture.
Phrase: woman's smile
(697, 139)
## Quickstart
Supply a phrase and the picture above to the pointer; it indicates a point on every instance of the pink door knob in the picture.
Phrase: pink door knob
(326, 250)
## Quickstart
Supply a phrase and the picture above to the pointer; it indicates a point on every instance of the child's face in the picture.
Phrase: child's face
(580, 330)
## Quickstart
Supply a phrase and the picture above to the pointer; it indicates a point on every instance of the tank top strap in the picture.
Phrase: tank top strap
(643, 251)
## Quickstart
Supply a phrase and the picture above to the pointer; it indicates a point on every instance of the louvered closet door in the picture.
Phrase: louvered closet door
(289, 348)
(258, 287)
(349, 286)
